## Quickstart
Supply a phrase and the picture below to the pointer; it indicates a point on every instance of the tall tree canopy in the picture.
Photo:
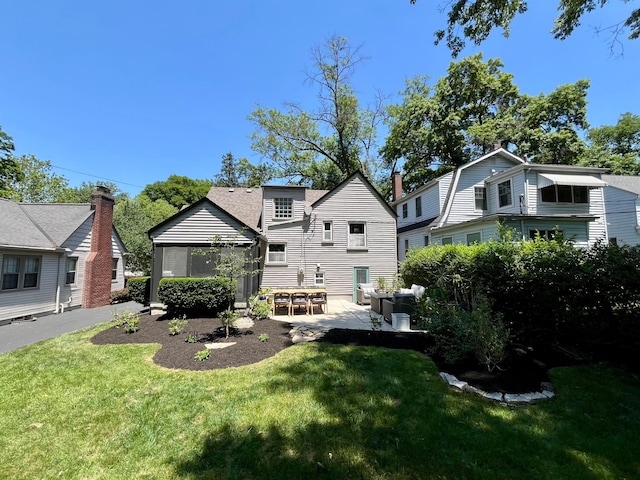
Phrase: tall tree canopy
(475, 19)
(475, 107)
(9, 170)
(38, 182)
(178, 190)
(239, 172)
(82, 194)
(322, 147)
(616, 147)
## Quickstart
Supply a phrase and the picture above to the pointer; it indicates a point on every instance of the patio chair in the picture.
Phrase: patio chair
(320, 299)
(281, 300)
(299, 299)
(364, 292)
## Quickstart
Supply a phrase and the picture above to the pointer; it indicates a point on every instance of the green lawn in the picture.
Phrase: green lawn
(69, 409)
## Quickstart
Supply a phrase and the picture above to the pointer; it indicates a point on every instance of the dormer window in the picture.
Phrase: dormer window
(283, 207)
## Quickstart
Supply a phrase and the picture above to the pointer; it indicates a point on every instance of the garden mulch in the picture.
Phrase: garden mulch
(525, 374)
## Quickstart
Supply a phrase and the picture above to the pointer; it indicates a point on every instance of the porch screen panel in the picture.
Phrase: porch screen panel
(174, 261)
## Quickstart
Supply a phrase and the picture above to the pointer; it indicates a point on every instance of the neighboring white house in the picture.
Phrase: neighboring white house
(622, 205)
(465, 206)
(56, 256)
(305, 238)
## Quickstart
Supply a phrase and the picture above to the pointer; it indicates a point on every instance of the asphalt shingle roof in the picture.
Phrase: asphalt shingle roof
(630, 183)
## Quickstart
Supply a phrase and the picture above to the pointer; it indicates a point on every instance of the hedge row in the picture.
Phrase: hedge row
(139, 289)
(546, 290)
(196, 296)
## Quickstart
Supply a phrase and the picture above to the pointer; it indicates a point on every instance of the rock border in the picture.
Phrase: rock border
(547, 392)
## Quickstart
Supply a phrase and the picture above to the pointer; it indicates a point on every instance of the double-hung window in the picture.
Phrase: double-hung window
(357, 235)
(504, 194)
(327, 231)
(72, 267)
(481, 197)
(20, 272)
(418, 206)
(405, 210)
(277, 253)
(114, 269)
(283, 207)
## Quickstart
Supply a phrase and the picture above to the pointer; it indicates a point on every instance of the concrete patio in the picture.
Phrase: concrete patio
(342, 314)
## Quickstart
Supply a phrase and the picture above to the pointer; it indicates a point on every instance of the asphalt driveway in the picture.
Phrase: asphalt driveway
(20, 334)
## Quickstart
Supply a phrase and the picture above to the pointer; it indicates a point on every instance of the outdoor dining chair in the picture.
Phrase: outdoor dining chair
(299, 299)
(281, 300)
(320, 299)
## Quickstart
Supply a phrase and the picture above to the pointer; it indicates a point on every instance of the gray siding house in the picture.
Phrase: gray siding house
(44, 250)
(302, 237)
(466, 205)
(622, 205)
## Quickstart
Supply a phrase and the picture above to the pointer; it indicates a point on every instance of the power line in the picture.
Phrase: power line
(97, 176)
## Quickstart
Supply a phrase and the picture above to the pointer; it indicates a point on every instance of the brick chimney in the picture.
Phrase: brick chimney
(396, 186)
(98, 265)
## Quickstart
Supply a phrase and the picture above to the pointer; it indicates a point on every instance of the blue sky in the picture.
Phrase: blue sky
(135, 91)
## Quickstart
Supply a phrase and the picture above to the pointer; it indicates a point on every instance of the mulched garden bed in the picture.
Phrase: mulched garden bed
(525, 373)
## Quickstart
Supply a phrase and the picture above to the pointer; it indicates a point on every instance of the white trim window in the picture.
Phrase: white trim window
(504, 194)
(564, 194)
(357, 235)
(114, 269)
(283, 207)
(327, 231)
(277, 253)
(319, 279)
(418, 206)
(71, 270)
(20, 272)
(405, 210)
(480, 194)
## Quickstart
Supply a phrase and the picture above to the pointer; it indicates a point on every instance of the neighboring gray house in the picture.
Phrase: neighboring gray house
(57, 256)
(622, 205)
(305, 238)
(465, 205)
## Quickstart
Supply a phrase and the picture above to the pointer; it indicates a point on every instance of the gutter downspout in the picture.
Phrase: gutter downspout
(56, 311)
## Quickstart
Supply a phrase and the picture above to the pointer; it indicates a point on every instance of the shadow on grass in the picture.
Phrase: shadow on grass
(386, 414)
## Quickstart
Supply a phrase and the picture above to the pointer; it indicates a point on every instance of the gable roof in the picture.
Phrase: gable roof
(243, 204)
(364, 179)
(39, 226)
(630, 183)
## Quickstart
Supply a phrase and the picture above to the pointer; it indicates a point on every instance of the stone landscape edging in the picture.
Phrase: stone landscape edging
(529, 398)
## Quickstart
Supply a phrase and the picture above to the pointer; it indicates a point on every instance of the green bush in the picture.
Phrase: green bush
(196, 296)
(202, 355)
(139, 289)
(176, 326)
(260, 309)
(127, 320)
(120, 296)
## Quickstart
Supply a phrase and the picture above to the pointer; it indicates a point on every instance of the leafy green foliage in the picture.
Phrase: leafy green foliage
(202, 355)
(82, 194)
(120, 296)
(139, 289)
(133, 218)
(260, 309)
(294, 141)
(474, 108)
(546, 291)
(178, 190)
(263, 337)
(241, 173)
(196, 296)
(474, 20)
(192, 337)
(176, 326)
(38, 183)
(129, 321)
(9, 169)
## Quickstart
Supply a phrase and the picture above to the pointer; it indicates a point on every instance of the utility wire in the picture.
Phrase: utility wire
(97, 176)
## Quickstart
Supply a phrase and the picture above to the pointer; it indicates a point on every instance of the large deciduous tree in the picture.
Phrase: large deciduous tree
(470, 111)
(178, 190)
(320, 148)
(616, 147)
(9, 170)
(133, 218)
(82, 194)
(239, 172)
(38, 182)
(474, 20)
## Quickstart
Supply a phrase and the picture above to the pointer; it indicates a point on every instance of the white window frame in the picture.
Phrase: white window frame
(480, 195)
(278, 261)
(327, 234)
(351, 237)
(406, 246)
(21, 273)
(114, 269)
(418, 206)
(405, 210)
(509, 193)
(556, 196)
(319, 279)
(282, 207)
